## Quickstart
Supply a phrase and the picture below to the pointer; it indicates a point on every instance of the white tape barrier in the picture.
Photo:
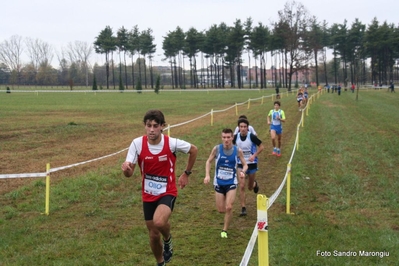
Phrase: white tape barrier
(123, 91)
(250, 247)
(89, 161)
(183, 123)
(52, 170)
(272, 199)
(25, 175)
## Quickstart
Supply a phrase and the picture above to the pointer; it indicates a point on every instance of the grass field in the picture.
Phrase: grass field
(343, 194)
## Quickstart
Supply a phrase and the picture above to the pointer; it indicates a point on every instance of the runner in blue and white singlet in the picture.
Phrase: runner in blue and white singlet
(275, 118)
(225, 181)
(251, 146)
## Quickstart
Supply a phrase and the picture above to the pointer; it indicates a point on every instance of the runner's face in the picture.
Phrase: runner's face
(243, 129)
(276, 106)
(227, 139)
(153, 130)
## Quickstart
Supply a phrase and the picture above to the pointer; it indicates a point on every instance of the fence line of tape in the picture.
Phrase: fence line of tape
(251, 243)
(23, 175)
(52, 170)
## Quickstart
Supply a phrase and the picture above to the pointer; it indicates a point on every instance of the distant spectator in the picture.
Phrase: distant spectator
(277, 92)
(353, 88)
(328, 87)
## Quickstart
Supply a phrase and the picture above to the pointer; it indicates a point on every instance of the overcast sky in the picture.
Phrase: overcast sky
(60, 22)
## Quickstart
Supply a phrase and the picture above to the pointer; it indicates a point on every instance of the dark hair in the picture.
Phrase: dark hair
(154, 115)
(242, 120)
(227, 131)
(278, 102)
(243, 116)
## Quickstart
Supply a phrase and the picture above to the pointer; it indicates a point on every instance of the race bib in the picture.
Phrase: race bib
(155, 185)
(225, 173)
(247, 154)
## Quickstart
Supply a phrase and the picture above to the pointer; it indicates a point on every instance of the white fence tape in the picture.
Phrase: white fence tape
(23, 175)
(52, 170)
(89, 161)
(272, 199)
(250, 247)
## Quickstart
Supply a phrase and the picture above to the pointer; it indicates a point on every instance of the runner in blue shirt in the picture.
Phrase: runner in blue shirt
(225, 181)
(275, 118)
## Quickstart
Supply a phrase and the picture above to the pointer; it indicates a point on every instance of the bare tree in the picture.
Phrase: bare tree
(296, 19)
(10, 55)
(39, 52)
(41, 55)
(79, 52)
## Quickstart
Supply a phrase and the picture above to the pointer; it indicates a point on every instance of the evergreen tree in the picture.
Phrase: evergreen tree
(138, 87)
(94, 88)
(105, 44)
(121, 87)
(157, 84)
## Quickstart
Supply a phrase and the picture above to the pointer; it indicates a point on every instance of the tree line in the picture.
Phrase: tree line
(296, 42)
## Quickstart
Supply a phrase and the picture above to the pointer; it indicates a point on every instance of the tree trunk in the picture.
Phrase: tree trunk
(107, 69)
(325, 66)
(317, 67)
(124, 59)
(113, 69)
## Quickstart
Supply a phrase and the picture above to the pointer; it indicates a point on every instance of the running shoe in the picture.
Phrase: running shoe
(274, 151)
(161, 264)
(223, 234)
(243, 211)
(168, 249)
(256, 187)
(278, 153)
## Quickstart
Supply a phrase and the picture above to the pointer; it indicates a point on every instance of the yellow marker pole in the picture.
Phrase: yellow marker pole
(236, 109)
(262, 99)
(288, 188)
(297, 138)
(47, 208)
(249, 103)
(302, 118)
(263, 234)
(307, 109)
(169, 130)
(212, 117)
